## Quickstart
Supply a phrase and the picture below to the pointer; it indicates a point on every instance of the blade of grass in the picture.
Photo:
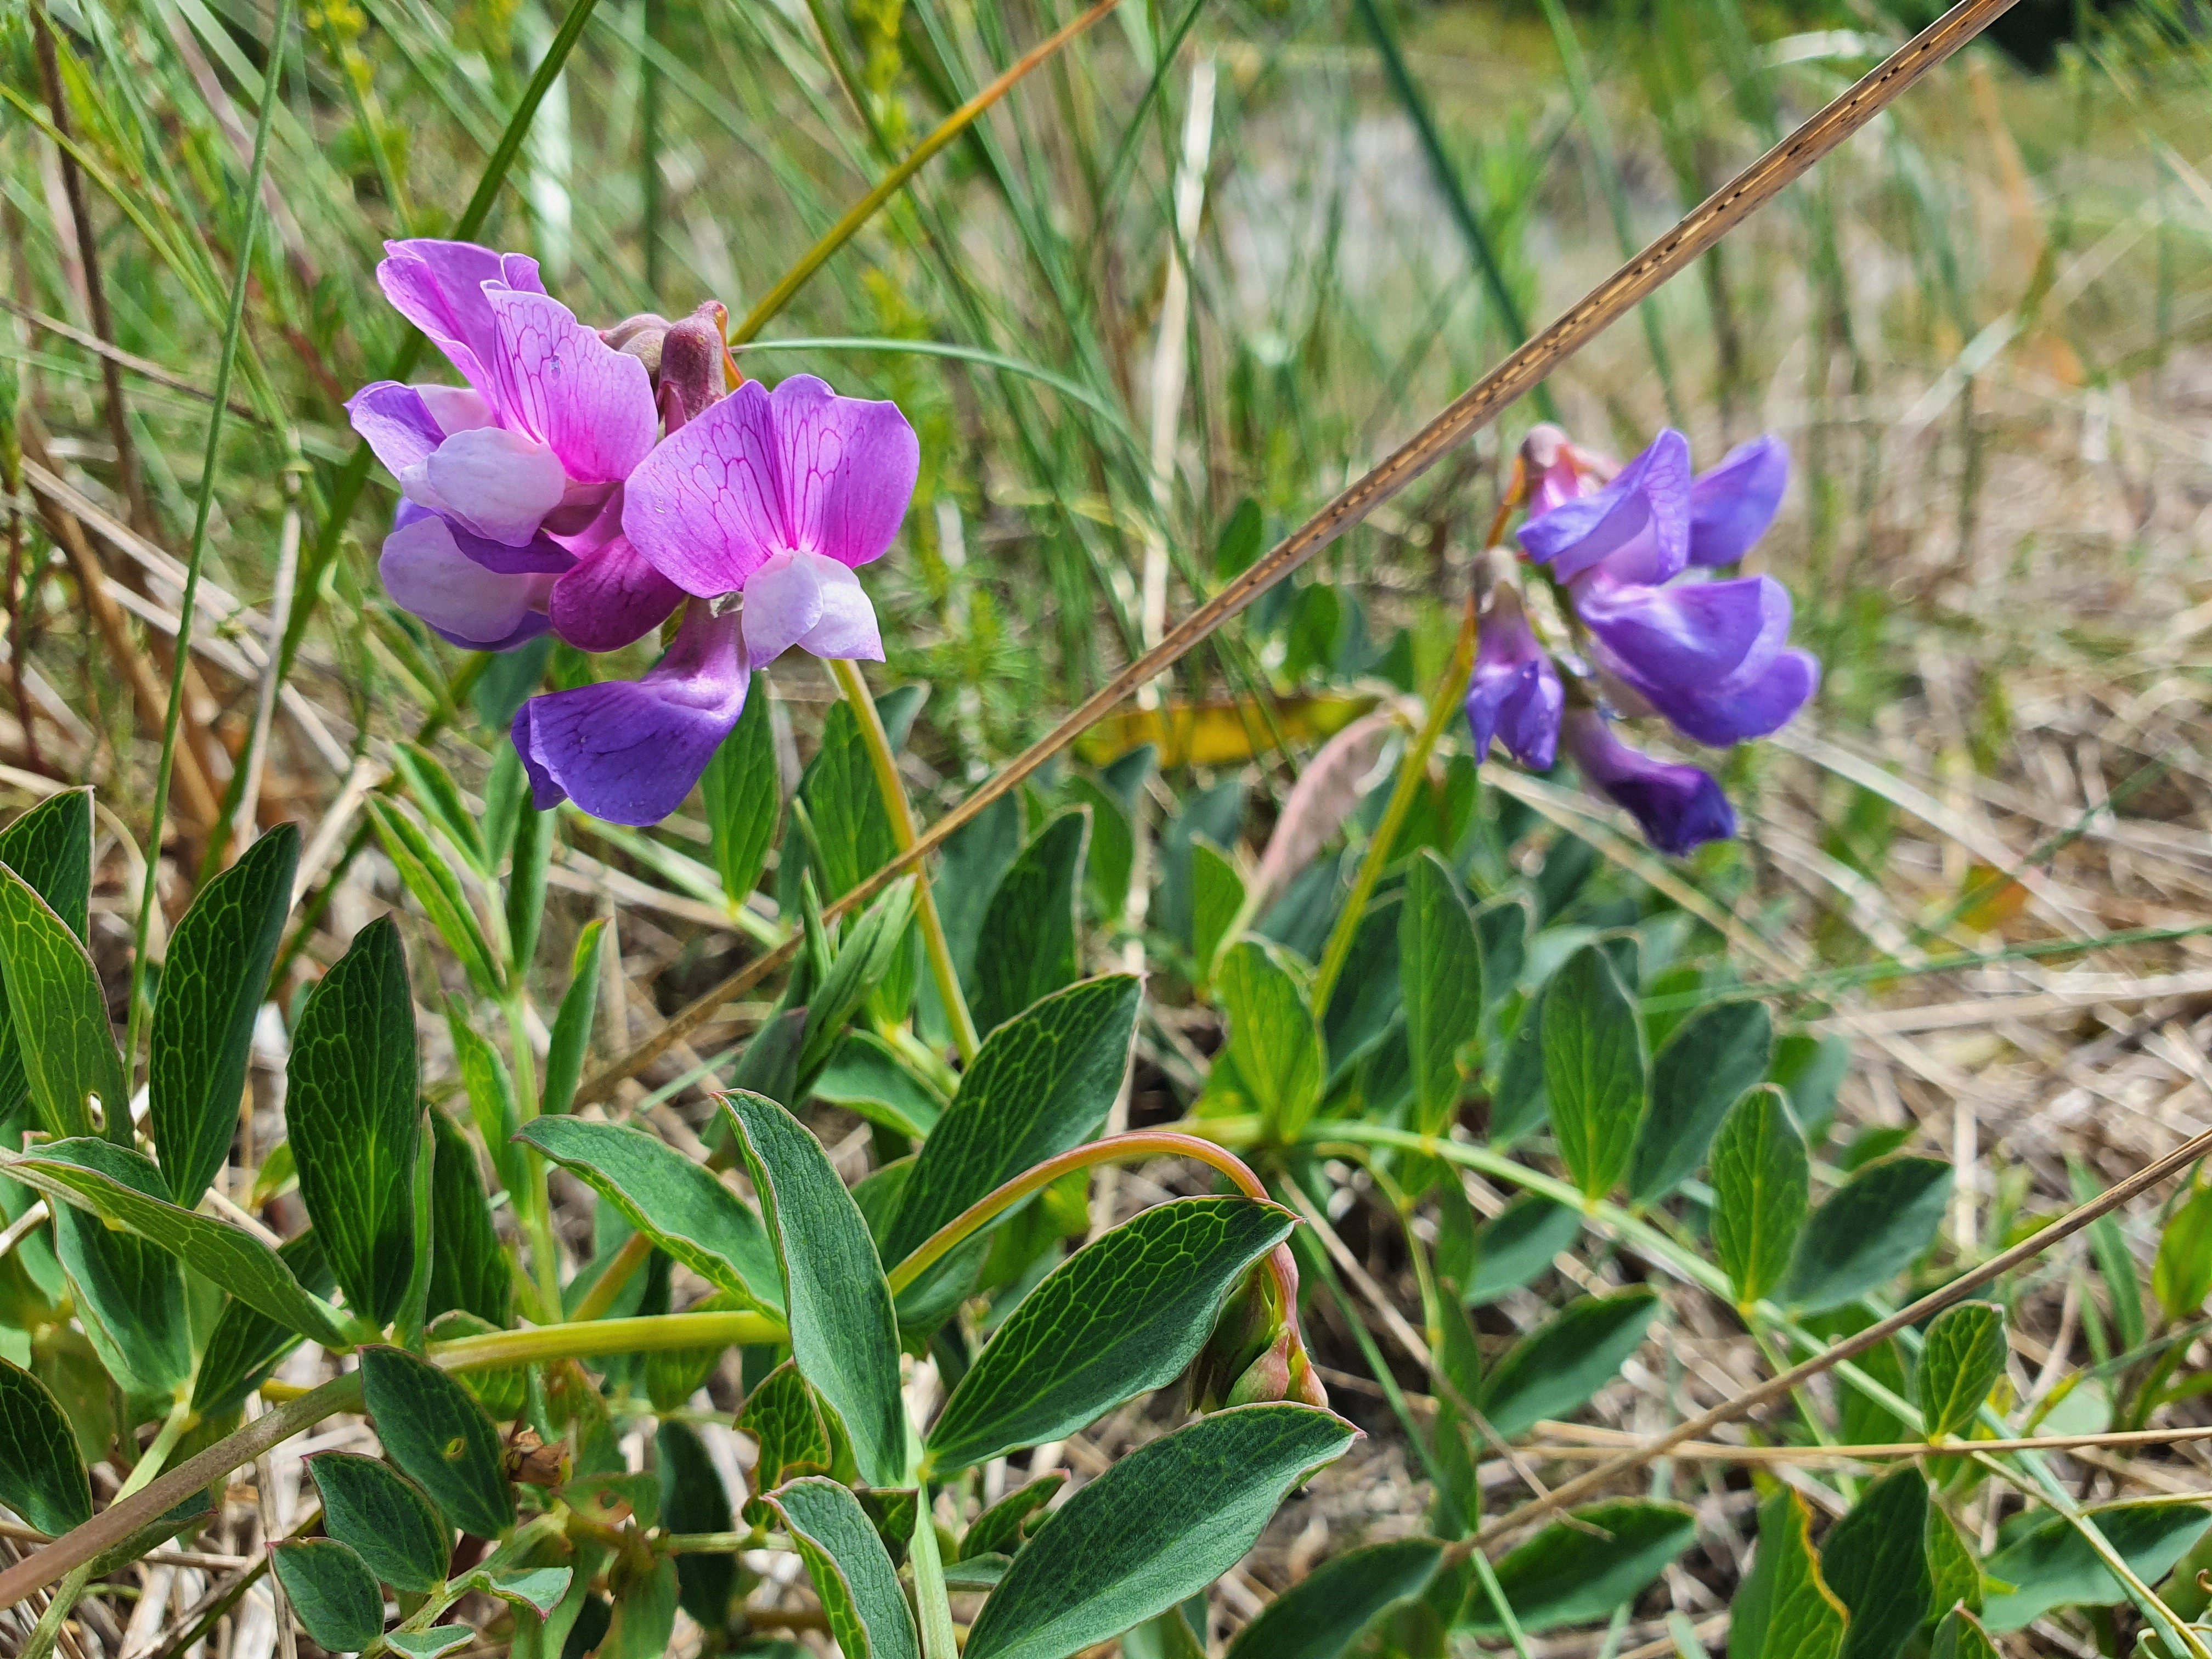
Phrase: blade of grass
(1476, 408)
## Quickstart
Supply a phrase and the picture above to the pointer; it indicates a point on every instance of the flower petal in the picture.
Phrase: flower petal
(759, 474)
(629, 752)
(1637, 527)
(1743, 709)
(567, 388)
(1514, 695)
(1678, 807)
(498, 484)
(396, 423)
(612, 600)
(783, 601)
(1731, 506)
(456, 408)
(848, 628)
(439, 287)
(1691, 636)
(426, 572)
(538, 557)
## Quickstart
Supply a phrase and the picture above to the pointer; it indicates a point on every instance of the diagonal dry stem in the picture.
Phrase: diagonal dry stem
(1673, 252)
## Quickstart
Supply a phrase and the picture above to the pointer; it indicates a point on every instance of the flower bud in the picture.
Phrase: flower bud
(690, 360)
(1256, 1353)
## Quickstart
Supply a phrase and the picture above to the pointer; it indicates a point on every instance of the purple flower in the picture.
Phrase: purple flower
(1635, 529)
(1731, 506)
(522, 467)
(1678, 807)
(759, 508)
(629, 750)
(1515, 696)
(780, 495)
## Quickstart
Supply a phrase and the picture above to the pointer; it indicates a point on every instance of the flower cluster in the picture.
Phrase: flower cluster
(589, 483)
(1708, 654)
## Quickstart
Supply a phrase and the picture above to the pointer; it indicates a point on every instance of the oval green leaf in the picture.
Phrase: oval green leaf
(42, 1474)
(844, 1336)
(1121, 1316)
(1960, 1360)
(434, 1430)
(50, 847)
(1323, 1613)
(60, 1017)
(1784, 1609)
(1868, 1231)
(1555, 1369)
(2052, 1566)
(1274, 1063)
(1761, 1177)
(389, 1521)
(743, 800)
(852, 1571)
(1441, 968)
(213, 979)
(467, 1269)
(332, 1591)
(1569, 1572)
(1702, 1071)
(1161, 1524)
(677, 1204)
(1876, 1561)
(1026, 949)
(1594, 1069)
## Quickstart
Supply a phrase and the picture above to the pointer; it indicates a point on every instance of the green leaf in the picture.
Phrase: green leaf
(1961, 1360)
(1811, 1069)
(1274, 1053)
(1441, 968)
(1951, 1571)
(491, 1089)
(1583, 1569)
(1876, 1561)
(2181, 1274)
(1368, 1007)
(431, 880)
(1518, 1102)
(1517, 1244)
(431, 1644)
(644, 1617)
(246, 1344)
(844, 1336)
(468, 1268)
(1555, 1369)
(869, 951)
(852, 1571)
(1217, 893)
(1161, 1524)
(434, 1430)
(1761, 1177)
(1594, 1070)
(1868, 1231)
(1713, 1056)
(433, 789)
(677, 1204)
(1043, 1084)
(1961, 1636)
(525, 887)
(785, 1421)
(354, 1122)
(130, 1293)
(60, 1015)
(538, 1589)
(50, 847)
(745, 800)
(866, 1077)
(42, 1474)
(1785, 1609)
(998, 1530)
(1026, 948)
(572, 1025)
(1121, 1316)
(332, 1592)
(389, 1521)
(1323, 1613)
(212, 983)
(124, 1188)
(852, 829)
(2052, 1566)
(1112, 859)
(692, 1500)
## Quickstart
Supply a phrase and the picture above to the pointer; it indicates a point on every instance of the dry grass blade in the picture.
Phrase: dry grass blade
(1613, 298)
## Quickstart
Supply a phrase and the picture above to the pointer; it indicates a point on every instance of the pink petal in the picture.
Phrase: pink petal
(848, 628)
(848, 469)
(396, 422)
(456, 408)
(439, 287)
(426, 573)
(567, 388)
(703, 506)
(501, 484)
(612, 599)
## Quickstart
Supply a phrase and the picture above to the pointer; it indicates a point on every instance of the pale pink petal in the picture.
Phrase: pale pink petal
(397, 423)
(848, 628)
(704, 507)
(783, 601)
(426, 573)
(567, 388)
(456, 408)
(499, 483)
(847, 469)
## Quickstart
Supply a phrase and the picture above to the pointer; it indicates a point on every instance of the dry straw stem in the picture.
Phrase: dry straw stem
(1705, 225)
(1604, 1442)
(1592, 1482)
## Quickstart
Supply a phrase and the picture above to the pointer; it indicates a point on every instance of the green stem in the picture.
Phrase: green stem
(1413, 772)
(149, 1462)
(49, 1627)
(117, 1112)
(619, 1271)
(854, 685)
(937, 1641)
(537, 1201)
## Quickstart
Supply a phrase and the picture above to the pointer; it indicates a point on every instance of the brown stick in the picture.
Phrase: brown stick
(1728, 1411)
(1519, 373)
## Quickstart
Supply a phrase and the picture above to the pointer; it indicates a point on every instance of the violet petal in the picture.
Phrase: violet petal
(1731, 506)
(426, 573)
(439, 287)
(1637, 527)
(612, 600)
(1679, 807)
(396, 424)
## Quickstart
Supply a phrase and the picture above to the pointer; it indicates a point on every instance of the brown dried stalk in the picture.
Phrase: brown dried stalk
(1613, 298)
